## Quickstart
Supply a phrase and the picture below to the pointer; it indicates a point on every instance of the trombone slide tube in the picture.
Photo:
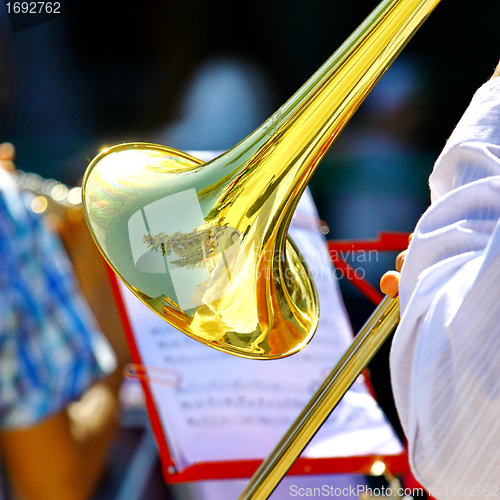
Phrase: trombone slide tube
(367, 342)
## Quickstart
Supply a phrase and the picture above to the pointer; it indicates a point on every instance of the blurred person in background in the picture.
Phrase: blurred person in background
(225, 99)
(56, 422)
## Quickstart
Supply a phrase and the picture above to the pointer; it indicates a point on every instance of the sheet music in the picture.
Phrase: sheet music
(224, 408)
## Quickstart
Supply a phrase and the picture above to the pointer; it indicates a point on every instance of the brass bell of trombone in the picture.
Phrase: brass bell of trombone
(205, 245)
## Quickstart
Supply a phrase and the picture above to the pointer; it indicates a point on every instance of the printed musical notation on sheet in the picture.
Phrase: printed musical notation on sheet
(229, 408)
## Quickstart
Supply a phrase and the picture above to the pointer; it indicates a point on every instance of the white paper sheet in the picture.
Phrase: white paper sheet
(223, 408)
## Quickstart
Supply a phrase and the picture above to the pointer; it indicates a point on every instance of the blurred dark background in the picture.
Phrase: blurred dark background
(114, 70)
(109, 72)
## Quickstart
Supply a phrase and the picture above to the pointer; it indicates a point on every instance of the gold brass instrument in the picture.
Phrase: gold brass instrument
(205, 246)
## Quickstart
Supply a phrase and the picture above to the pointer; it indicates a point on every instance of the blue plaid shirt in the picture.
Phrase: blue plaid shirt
(50, 347)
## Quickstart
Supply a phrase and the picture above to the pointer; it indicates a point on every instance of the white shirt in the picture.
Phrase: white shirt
(445, 359)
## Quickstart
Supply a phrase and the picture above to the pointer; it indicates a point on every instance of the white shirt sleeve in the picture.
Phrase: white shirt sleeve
(445, 359)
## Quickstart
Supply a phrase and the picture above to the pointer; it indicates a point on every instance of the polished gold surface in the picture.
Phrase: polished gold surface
(374, 333)
(201, 246)
(205, 245)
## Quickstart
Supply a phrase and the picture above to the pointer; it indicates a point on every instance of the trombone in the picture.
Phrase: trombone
(205, 246)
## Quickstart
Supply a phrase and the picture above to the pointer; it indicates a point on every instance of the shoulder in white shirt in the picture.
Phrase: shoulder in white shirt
(445, 359)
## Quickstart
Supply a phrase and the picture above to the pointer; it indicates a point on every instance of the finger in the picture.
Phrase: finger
(400, 259)
(389, 283)
(497, 71)
(7, 151)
